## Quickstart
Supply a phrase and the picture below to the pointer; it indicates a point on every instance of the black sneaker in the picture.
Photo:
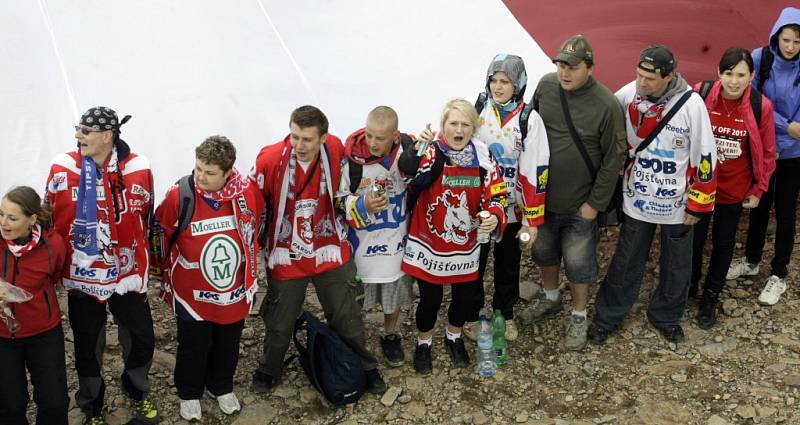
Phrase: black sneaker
(457, 351)
(262, 383)
(597, 335)
(375, 383)
(707, 313)
(422, 359)
(672, 333)
(392, 348)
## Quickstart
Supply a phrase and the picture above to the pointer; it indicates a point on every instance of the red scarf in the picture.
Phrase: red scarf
(18, 250)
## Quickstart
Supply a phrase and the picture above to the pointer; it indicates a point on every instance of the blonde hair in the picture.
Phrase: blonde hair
(463, 106)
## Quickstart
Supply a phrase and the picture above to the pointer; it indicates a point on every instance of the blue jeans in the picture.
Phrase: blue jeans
(573, 238)
(621, 286)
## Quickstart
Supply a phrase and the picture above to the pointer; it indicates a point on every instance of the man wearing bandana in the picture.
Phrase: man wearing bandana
(102, 196)
(669, 183)
(306, 242)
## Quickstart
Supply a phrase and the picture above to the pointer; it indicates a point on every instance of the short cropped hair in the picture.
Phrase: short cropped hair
(383, 116)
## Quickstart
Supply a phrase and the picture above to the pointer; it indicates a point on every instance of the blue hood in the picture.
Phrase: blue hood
(789, 15)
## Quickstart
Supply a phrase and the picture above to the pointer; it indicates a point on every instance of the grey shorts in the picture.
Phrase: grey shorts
(573, 238)
(391, 296)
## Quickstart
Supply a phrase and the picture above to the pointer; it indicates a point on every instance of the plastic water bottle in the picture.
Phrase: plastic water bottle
(486, 357)
(500, 344)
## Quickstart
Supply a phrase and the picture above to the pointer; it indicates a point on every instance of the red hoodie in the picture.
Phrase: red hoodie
(36, 272)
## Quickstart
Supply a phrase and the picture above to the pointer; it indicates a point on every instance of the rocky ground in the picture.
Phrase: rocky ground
(745, 370)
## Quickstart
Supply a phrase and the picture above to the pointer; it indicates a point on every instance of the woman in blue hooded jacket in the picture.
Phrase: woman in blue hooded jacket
(781, 84)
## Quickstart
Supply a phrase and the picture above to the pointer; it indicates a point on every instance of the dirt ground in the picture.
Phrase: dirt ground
(745, 370)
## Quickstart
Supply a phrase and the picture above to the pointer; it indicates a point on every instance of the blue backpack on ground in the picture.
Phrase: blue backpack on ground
(333, 368)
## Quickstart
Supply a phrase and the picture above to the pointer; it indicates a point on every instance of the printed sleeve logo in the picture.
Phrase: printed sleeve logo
(219, 261)
(449, 218)
(705, 171)
(541, 179)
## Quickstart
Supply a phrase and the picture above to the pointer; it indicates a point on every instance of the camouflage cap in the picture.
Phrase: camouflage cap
(575, 50)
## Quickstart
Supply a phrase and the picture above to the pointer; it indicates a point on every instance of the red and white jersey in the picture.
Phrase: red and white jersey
(377, 238)
(677, 171)
(207, 276)
(124, 258)
(442, 245)
(523, 163)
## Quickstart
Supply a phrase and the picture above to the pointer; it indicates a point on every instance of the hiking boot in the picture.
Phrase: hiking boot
(470, 330)
(145, 411)
(423, 364)
(262, 383)
(228, 403)
(707, 312)
(511, 330)
(540, 309)
(597, 335)
(375, 383)
(457, 351)
(392, 347)
(740, 267)
(94, 420)
(772, 291)
(190, 410)
(575, 338)
(672, 333)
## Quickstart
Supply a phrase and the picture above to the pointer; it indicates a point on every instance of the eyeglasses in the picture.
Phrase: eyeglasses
(85, 131)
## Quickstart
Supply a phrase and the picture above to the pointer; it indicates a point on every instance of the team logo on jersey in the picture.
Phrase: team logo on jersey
(541, 179)
(58, 182)
(449, 218)
(219, 261)
(705, 171)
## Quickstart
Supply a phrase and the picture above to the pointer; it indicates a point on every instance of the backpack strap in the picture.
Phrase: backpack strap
(765, 66)
(523, 122)
(480, 102)
(705, 88)
(755, 103)
(356, 171)
(185, 208)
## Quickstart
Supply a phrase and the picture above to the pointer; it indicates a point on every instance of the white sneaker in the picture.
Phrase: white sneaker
(740, 267)
(190, 410)
(228, 403)
(772, 291)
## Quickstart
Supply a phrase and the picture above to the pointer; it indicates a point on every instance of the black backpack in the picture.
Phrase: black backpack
(480, 102)
(755, 98)
(332, 367)
(765, 66)
(185, 208)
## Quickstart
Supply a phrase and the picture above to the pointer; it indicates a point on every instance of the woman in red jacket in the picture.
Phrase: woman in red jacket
(746, 156)
(31, 258)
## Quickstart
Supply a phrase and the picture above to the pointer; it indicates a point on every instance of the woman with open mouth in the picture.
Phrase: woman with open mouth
(452, 180)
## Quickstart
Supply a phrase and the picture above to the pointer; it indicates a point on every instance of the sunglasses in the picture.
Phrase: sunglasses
(85, 131)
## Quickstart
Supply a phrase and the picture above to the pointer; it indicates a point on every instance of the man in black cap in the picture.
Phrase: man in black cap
(102, 196)
(669, 182)
(570, 230)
